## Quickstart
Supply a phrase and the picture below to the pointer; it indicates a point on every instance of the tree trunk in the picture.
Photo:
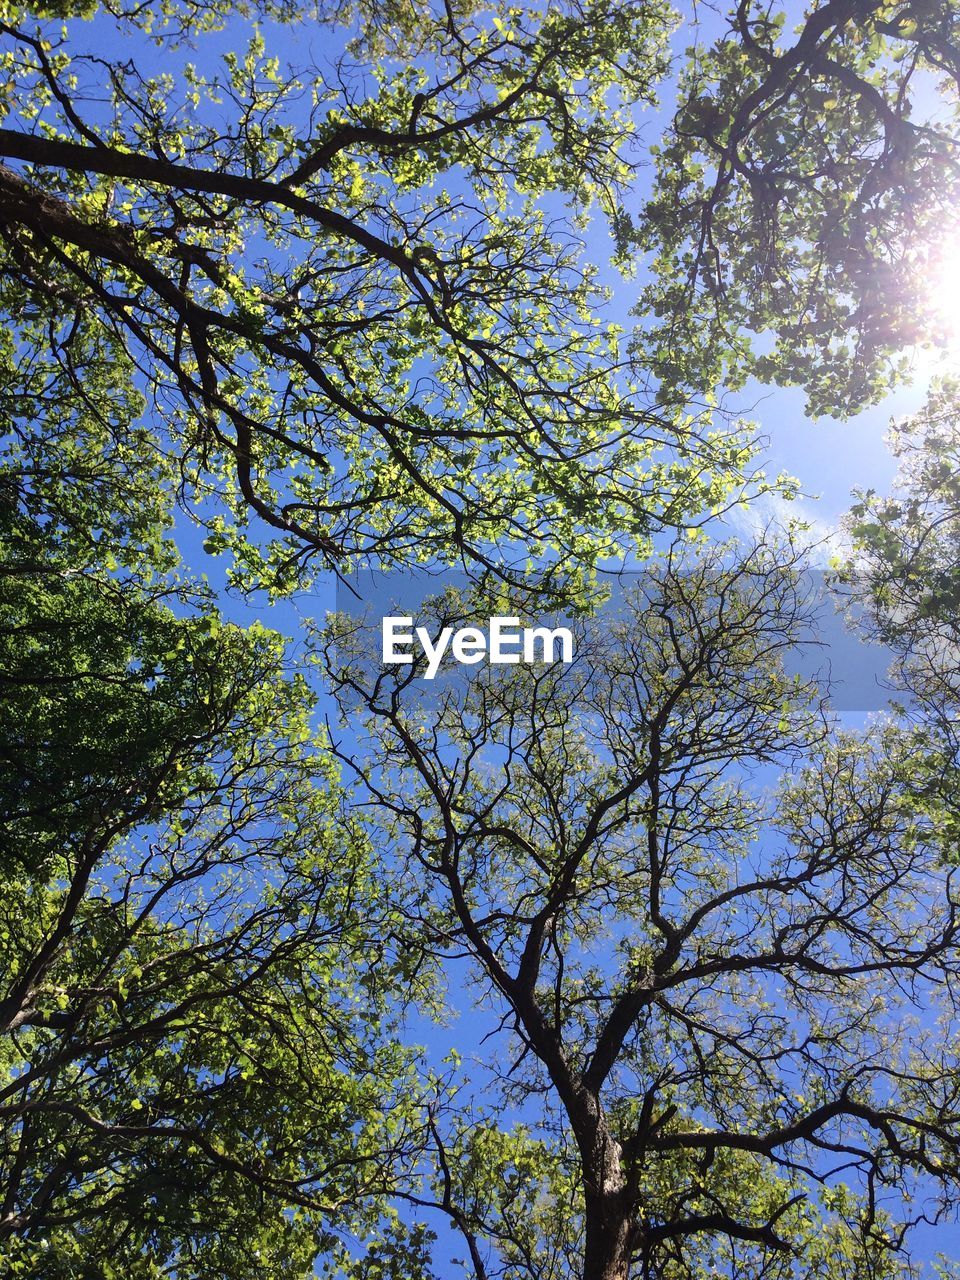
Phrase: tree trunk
(609, 1233)
(609, 1238)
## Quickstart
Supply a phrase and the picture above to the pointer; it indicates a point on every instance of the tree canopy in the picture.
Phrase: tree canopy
(358, 292)
(198, 995)
(807, 190)
(362, 290)
(335, 282)
(700, 982)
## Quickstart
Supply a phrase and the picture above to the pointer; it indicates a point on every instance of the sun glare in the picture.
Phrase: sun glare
(943, 290)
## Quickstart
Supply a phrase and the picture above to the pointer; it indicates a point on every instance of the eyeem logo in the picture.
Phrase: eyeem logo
(504, 641)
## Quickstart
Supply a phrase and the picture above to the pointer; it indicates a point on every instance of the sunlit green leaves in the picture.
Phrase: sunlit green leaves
(198, 1065)
(370, 320)
(803, 192)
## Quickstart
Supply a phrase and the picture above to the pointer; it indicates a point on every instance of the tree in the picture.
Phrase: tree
(345, 290)
(200, 1073)
(806, 192)
(357, 305)
(358, 294)
(700, 982)
(905, 581)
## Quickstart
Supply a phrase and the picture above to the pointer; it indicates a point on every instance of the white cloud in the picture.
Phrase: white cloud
(770, 514)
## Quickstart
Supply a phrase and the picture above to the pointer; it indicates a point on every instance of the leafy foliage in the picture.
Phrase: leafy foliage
(904, 578)
(350, 311)
(700, 979)
(198, 1067)
(805, 188)
(359, 295)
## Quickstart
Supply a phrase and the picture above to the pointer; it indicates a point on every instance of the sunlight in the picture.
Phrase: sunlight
(944, 294)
